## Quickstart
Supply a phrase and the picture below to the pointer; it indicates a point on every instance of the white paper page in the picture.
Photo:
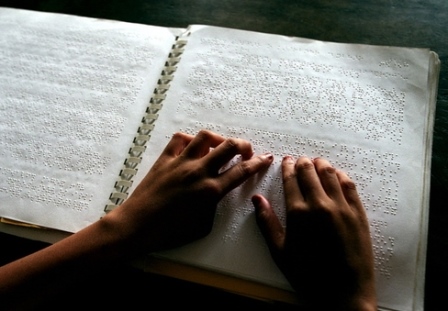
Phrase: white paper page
(72, 94)
(363, 108)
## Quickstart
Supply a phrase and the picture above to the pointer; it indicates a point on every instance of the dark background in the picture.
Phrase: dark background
(412, 23)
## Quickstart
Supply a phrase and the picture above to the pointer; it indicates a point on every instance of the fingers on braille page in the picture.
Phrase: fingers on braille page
(292, 191)
(201, 144)
(177, 143)
(349, 189)
(241, 171)
(328, 178)
(227, 150)
(309, 181)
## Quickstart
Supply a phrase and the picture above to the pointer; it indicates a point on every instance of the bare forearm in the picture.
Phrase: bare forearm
(74, 258)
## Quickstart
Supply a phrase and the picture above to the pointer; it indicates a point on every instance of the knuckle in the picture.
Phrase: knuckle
(204, 135)
(296, 211)
(304, 165)
(322, 205)
(348, 185)
(212, 187)
(232, 143)
(297, 206)
(328, 169)
(245, 168)
(238, 146)
(328, 210)
(204, 132)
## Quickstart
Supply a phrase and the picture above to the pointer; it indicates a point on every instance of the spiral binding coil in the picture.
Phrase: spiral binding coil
(134, 158)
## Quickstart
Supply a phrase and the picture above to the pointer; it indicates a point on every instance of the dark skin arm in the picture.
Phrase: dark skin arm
(176, 209)
(325, 250)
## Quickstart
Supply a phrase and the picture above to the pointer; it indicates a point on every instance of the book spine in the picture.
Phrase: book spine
(129, 169)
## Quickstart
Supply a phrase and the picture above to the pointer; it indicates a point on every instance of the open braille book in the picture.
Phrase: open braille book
(87, 105)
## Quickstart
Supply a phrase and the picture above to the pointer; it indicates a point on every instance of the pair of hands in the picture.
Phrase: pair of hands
(325, 249)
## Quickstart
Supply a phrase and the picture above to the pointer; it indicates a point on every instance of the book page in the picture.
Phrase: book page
(366, 109)
(72, 94)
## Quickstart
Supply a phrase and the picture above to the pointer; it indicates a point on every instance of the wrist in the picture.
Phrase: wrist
(129, 230)
(117, 237)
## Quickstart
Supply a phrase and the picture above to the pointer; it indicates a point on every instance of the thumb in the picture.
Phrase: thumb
(269, 224)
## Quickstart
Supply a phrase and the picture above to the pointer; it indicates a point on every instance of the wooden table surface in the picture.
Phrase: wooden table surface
(412, 23)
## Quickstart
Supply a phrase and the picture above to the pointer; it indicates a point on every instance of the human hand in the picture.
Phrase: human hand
(175, 203)
(325, 250)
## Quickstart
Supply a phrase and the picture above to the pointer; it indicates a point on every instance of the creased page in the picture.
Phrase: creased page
(364, 108)
(72, 94)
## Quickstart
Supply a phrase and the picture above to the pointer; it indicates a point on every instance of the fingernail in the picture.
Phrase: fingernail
(288, 159)
(268, 156)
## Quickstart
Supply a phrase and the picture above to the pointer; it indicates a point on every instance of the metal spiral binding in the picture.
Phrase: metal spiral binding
(129, 169)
